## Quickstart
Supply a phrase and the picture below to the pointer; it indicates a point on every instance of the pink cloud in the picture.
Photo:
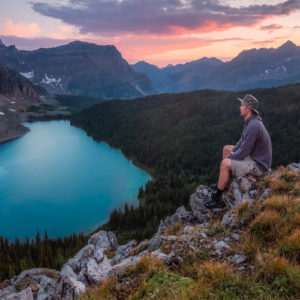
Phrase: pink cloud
(20, 29)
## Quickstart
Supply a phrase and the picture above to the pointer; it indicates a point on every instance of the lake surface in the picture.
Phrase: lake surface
(58, 179)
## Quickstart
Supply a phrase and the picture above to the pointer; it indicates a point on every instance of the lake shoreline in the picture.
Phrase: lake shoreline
(97, 179)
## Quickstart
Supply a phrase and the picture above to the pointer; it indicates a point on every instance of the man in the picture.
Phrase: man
(251, 155)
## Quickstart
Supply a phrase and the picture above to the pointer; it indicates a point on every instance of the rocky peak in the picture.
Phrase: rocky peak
(289, 45)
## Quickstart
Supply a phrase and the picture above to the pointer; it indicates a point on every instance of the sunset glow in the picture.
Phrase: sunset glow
(159, 31)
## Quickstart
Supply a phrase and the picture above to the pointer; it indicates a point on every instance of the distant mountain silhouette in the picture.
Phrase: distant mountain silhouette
(78, 68)
(178, 78)
(250, 69)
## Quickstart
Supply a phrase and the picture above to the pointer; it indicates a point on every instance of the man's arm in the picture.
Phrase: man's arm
(237, 145)
(247, 144)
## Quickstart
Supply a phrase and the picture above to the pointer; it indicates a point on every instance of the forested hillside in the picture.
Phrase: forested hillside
(178, 138)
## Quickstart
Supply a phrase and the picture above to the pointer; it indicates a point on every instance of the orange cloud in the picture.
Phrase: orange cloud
(20, 29)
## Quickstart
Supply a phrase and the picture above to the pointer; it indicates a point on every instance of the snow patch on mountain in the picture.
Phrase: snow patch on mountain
(51, 80)
(28, 75)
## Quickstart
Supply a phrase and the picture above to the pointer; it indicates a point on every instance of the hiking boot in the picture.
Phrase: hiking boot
(215, 202)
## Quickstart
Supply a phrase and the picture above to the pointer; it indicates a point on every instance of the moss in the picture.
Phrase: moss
(163, 284)
(215, 230)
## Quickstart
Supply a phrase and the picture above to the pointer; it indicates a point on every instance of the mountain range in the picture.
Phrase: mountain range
(86, 69)
(250, 69)
(78, 68)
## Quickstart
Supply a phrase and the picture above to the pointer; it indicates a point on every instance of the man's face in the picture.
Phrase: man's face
(244, 110)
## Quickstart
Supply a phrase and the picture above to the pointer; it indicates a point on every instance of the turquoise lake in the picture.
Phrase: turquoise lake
(56, 178)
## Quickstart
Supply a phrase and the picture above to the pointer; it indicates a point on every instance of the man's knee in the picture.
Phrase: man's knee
(226, 163)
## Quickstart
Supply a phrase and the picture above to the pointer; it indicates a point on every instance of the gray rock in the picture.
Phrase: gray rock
(49, 288)
(105, 266)
(167, 259)
(83, 276)
(142, 246)
(266, 193)
(246, 197)
(221, 245)
(203, 234)
(99, 255)
(169, 238)
(31, 277)
(205, 192)
(246, 183)
(180, 216)
(238, 196)
(238, 259)
(294, 167)
(67, 270)
(200, 212)
(236, 236)
(123, 251)
(103, 240)
(155, 243)
(71, 288)
(188, 229)
(74, 264)
(226, 220)
(162, 226)
(7, 291)
(26, 294)
(96, 272)
(84, 255)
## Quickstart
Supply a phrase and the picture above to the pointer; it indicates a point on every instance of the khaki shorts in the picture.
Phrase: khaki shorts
(246, 166)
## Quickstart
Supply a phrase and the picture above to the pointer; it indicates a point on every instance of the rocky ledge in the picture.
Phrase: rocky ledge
(184, 231)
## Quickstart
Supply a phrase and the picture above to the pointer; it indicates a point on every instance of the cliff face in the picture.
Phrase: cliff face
(12, 84)
(252, 247)
(16, 94)
(78, 68)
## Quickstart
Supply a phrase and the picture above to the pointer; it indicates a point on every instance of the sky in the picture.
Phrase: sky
(160, 32)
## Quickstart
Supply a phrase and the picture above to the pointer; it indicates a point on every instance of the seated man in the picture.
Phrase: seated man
(251, 155)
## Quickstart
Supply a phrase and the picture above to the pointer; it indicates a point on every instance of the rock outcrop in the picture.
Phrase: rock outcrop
(177, 235)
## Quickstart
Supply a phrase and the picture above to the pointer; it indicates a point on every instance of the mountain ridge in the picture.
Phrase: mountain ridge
(78, 68)
(263, 67)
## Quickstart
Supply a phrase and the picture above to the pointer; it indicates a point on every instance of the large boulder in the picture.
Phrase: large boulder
(31, 278)
(25, 294)
(201, 213)
(104, 240)
(71, 288)
(49, 289)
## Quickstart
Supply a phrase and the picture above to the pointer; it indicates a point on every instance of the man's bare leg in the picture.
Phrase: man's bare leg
(216, 201)
(225, 169)
(227, 150)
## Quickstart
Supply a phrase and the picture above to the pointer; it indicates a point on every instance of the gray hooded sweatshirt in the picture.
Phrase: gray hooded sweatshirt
(256, 142)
